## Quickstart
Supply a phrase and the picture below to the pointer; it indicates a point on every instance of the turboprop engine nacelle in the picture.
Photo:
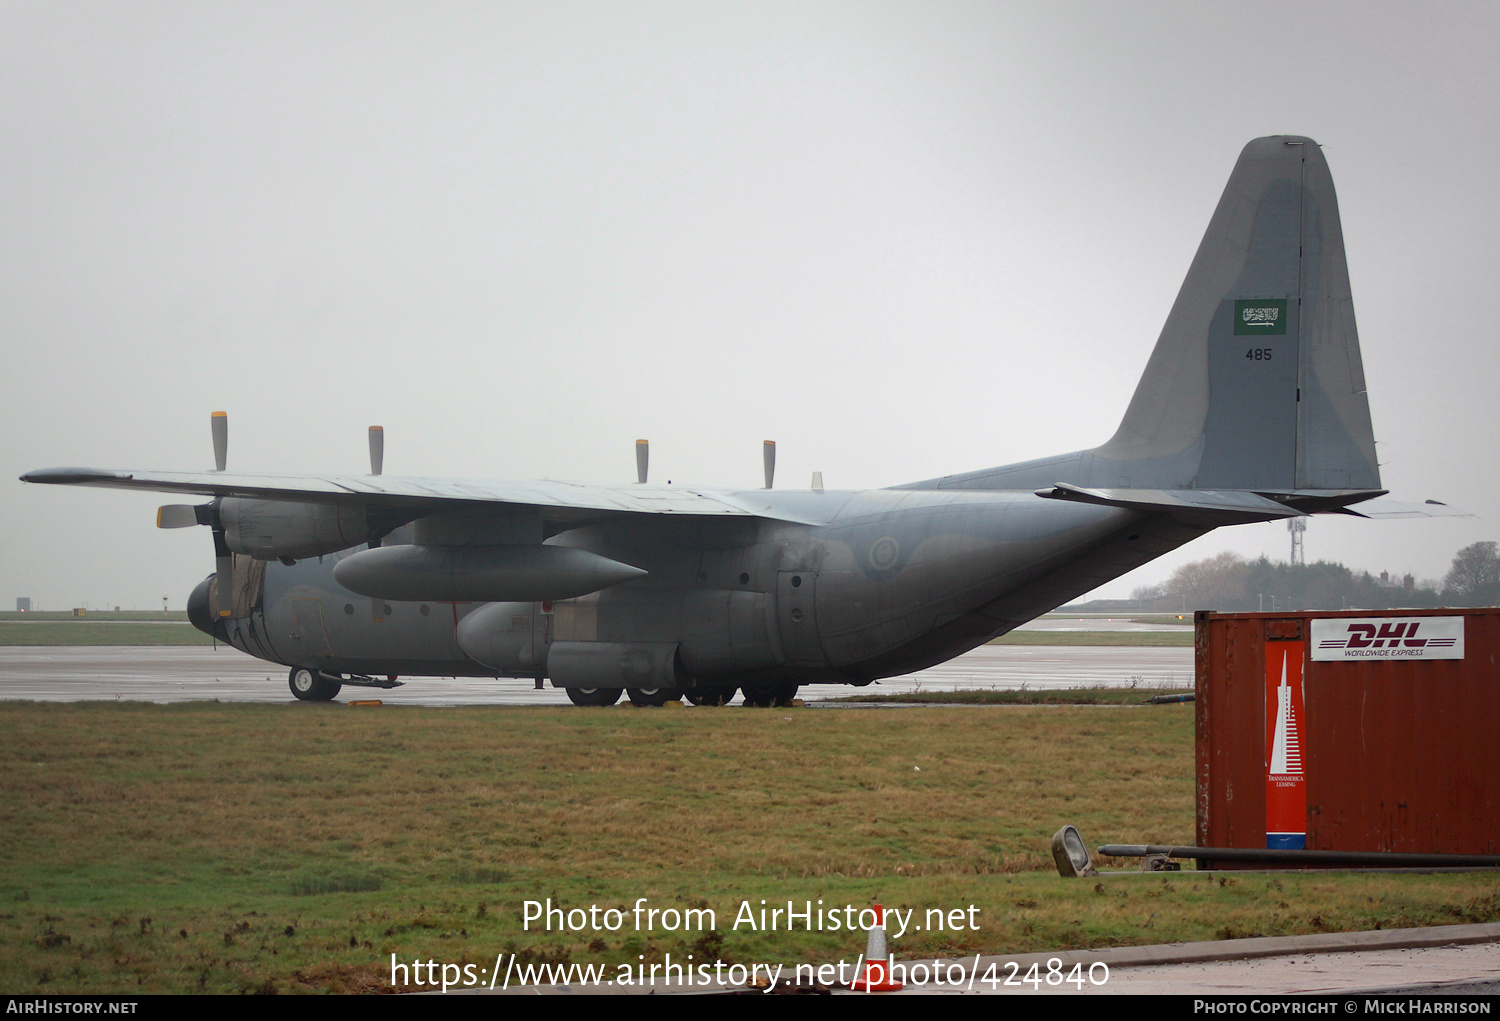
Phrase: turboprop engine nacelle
(276, 529)
(479, 574)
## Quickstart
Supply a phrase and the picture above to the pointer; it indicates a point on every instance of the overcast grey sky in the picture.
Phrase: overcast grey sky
(901, 239)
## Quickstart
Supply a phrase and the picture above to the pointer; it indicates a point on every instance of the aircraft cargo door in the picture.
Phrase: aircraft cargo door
(796, 610)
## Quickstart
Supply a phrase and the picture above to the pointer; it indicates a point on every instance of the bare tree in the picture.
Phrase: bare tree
(1215, 583)
(1474, 578)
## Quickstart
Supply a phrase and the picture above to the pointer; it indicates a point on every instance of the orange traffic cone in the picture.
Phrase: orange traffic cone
(877, 961)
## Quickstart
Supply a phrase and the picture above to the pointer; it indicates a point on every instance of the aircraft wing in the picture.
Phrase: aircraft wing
(565, 502)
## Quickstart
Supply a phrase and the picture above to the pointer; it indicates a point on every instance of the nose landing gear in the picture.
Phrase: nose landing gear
(311, 686)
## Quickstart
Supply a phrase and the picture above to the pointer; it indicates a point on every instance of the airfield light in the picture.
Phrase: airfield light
(1071, 854)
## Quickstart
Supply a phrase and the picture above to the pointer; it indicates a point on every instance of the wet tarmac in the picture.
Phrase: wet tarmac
(1096, 623)
(192, 673)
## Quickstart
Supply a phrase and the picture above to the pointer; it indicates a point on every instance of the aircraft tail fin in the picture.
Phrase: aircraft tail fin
(1256, 381)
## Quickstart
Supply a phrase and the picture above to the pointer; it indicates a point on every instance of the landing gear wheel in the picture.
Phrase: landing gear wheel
(757, 696)
(653, 696)
(764, 696)
(311, 686)
(593, 696)
(711, 696)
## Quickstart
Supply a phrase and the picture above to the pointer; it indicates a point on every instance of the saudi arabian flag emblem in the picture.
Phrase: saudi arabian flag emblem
(1259, 316)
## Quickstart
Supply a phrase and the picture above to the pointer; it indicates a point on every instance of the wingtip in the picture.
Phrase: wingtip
(72, 476)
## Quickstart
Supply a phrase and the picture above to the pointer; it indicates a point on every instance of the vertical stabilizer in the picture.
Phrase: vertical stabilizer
(1256, 381)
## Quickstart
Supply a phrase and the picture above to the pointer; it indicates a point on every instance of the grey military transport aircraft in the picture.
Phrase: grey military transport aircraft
(1252, 408)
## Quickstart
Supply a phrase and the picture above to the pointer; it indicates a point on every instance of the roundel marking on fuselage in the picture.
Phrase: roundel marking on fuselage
(884, 553)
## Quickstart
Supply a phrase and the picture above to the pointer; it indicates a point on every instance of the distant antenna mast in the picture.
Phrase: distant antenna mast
(1297, 526)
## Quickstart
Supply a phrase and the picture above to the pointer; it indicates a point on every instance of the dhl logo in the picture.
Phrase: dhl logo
(1385, 636)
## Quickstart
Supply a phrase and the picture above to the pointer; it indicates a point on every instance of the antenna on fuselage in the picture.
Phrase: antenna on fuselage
(769, 456)
(642, 460)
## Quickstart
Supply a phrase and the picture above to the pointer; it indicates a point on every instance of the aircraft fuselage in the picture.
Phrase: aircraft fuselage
(893, 581)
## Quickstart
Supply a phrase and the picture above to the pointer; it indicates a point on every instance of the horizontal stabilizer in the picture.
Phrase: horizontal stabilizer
(1392, 509)
(1207, 506)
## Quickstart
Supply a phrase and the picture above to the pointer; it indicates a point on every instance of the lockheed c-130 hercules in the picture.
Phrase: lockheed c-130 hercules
(1252, 408)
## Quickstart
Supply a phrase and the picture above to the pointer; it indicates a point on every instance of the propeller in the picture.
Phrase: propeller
(377, 464)
(181, 515)
(642, 459)
(223, 561)
(769, 456)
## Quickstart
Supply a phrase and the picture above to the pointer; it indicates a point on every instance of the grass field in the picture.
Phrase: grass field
(160, 632)
(99, 627)
(235, 848)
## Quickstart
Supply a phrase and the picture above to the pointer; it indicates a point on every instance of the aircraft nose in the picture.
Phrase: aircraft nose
(199, 615)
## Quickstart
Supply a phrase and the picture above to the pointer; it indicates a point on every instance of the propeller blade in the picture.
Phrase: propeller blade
(769, 455)
(176, 515)
(377, 449)
(642, 459)
(220, 423)
(223, 589)
(181, 515)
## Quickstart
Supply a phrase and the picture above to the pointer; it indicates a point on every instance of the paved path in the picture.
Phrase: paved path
(1339, 968)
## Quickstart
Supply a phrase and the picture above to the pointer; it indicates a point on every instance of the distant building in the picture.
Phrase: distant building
(1407, 582)
(23, 604)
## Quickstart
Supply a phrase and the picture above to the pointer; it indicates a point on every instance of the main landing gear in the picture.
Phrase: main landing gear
(653, 696)
(593, 696)
(764, 696)
(311, 686)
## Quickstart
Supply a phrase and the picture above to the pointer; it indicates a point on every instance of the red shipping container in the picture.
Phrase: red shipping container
(1352, 730)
